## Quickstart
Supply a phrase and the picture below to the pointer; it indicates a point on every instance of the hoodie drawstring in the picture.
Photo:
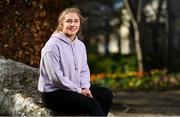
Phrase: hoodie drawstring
(75, 56)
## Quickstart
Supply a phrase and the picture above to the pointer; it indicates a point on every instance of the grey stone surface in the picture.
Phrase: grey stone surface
(18, 90)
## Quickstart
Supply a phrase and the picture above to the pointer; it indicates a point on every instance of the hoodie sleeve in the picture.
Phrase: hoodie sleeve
(54, 72)
(85, 72)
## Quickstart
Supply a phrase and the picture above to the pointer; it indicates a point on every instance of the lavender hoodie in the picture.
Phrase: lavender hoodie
(63, 65)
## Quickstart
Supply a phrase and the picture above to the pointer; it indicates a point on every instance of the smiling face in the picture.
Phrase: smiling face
(71, 25)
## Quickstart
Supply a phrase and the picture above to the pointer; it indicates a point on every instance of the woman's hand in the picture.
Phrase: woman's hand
(86, 92)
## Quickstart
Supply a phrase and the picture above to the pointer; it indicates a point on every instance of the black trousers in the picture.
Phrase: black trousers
(74, 103)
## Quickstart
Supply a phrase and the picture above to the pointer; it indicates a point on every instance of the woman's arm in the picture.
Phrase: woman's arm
(85, 72)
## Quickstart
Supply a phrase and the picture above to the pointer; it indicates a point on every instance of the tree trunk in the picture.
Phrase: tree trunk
(137, 38)
(174, 35)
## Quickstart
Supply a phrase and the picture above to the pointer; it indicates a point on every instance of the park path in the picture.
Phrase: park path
(147, 104)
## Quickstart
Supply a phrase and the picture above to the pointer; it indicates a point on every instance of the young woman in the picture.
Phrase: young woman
(64, 73)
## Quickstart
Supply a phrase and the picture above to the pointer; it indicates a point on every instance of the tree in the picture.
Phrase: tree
(136, 33)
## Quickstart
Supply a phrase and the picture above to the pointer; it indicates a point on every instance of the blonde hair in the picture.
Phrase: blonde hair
(65, 12)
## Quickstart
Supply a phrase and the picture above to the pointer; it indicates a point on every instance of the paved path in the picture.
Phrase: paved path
(147, 104)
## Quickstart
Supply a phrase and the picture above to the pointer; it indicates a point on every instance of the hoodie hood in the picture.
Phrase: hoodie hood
(65, 39)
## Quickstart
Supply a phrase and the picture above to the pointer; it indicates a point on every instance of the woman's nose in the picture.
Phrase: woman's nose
(72, 23)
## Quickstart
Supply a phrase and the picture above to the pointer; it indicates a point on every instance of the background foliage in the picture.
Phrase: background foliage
(25, 26)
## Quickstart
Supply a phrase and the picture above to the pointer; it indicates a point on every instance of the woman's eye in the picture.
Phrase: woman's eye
(76, 21)
(68, 21)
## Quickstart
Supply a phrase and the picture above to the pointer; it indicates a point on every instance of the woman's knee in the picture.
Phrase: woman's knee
(102, 93)
(108, 94)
